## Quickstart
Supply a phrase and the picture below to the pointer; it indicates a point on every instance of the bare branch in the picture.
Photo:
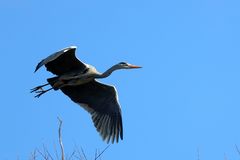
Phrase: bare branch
(83, 154)
(238, 151)
(45, 157)
(56, 152)
(60, 137)
(72, 155)
(46, 152)
(102, 152)
(79, 155)
(96, 153)
(34, 155)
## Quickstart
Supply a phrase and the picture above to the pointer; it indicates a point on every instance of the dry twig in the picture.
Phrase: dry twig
(60, 138)
(101, 152)
(238, 151)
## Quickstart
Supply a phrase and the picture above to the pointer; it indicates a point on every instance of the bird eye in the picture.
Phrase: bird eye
(123, 63)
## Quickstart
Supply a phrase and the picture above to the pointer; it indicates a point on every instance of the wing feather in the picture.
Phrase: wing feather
(63, 61)
(102, 103)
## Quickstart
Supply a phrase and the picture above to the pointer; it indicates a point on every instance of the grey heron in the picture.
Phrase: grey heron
(78, 81)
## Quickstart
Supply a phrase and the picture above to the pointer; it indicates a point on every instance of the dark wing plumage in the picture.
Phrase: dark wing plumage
(101, 102)
(63, 61)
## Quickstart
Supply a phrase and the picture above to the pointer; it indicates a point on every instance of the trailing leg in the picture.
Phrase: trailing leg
(39, 89)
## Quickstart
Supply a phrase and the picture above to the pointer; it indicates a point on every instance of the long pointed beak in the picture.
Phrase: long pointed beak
(133, 66)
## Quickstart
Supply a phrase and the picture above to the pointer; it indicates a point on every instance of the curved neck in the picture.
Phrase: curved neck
(107, 72)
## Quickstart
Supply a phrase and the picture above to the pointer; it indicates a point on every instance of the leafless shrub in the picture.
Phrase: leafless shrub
(44, 154)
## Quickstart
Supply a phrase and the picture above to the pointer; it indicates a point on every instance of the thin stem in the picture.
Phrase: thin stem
(60, 137)
(101, 153)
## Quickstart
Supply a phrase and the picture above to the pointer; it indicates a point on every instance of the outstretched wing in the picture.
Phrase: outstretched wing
(63, 61)
(101, 102)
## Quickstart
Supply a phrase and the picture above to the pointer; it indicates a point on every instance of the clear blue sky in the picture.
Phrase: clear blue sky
(185, 98)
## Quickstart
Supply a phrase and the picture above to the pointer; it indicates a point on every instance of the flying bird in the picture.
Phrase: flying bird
(78, 81)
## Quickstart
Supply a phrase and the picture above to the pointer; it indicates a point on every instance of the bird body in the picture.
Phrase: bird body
(78, 81)
(75, 78)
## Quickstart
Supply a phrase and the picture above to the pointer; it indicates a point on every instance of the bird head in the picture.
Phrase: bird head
(125, 65)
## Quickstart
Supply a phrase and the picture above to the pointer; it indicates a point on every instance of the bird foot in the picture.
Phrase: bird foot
(39, 90)
(40, 93)
(36, 89)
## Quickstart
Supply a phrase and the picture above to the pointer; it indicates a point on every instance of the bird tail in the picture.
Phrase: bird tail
(52, 82)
